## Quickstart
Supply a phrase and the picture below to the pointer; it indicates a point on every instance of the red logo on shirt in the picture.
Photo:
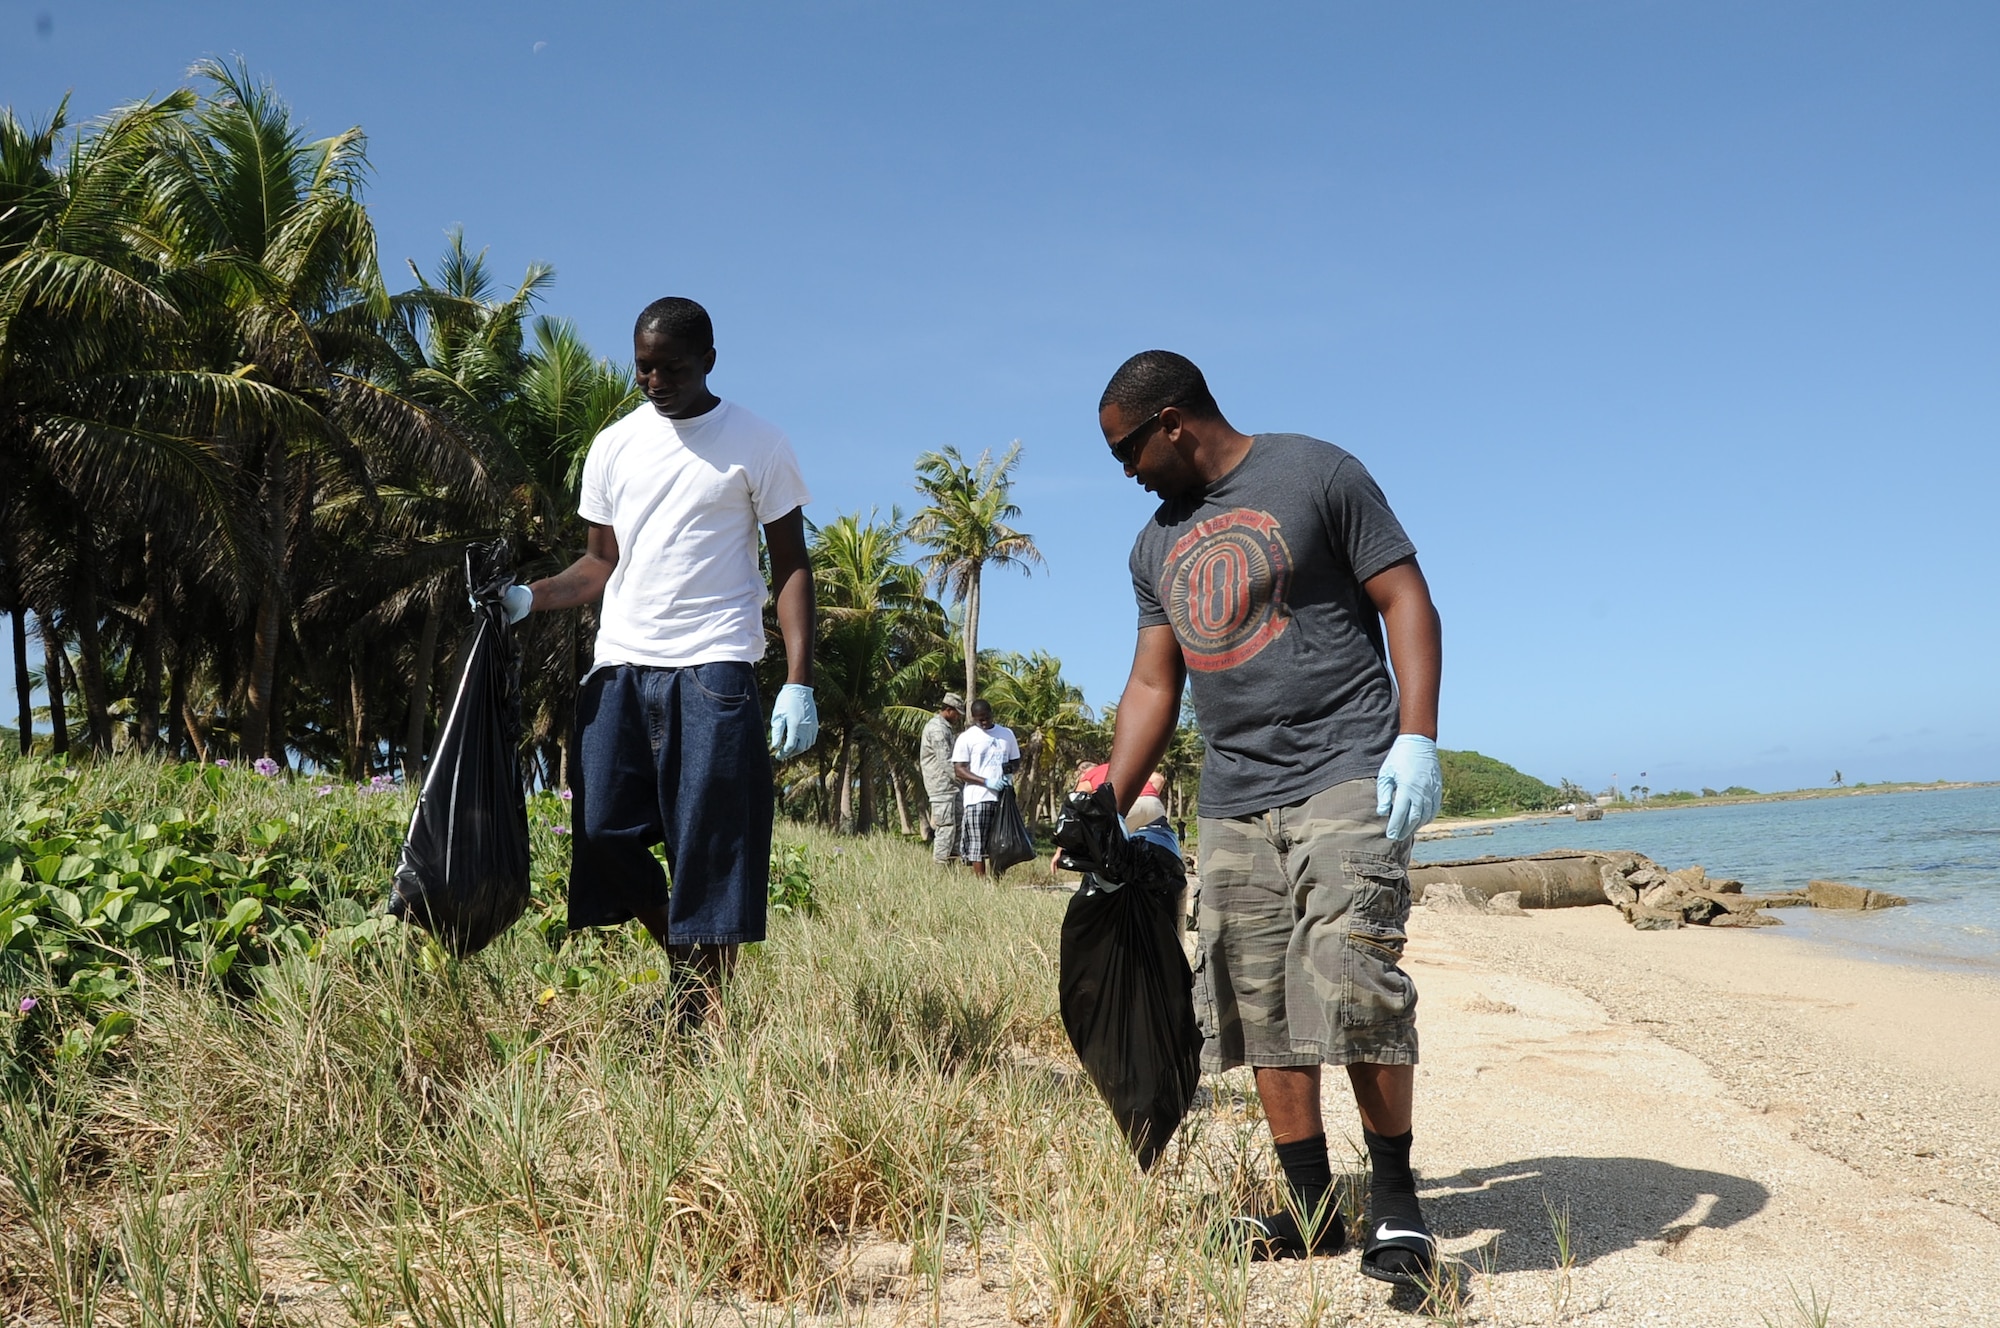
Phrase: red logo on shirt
(1224, 588)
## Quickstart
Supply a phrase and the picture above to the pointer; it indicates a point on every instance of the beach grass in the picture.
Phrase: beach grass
(374, 1132)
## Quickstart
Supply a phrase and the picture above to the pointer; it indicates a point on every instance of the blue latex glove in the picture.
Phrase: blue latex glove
(1411, 785)
(515, 602)
(794, 721)
(999, 782)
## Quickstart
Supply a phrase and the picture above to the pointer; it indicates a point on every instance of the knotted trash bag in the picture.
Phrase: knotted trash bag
(1008, 844)
(1124, 985)
(464, 871)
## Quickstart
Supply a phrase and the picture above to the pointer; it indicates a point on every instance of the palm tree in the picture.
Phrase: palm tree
(964, 523)
(100, 434)
(273, 237)
(881, 643)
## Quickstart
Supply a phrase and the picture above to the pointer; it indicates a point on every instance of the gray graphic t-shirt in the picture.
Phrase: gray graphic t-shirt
(1260, 578)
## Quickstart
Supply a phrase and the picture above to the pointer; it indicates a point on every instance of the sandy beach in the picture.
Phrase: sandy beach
(1728, 1117)
(1738, 1125)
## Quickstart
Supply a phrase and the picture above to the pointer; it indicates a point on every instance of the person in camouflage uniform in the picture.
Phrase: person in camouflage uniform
(940, 784)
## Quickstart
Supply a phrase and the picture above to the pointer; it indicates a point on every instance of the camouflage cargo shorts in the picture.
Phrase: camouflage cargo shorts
(1302, 919)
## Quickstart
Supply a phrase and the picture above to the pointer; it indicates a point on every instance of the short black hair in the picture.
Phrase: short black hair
(679, 320)
(980, 707)
(1152, 380)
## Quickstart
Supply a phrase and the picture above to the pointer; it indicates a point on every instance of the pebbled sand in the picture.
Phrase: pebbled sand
(1728, 1116)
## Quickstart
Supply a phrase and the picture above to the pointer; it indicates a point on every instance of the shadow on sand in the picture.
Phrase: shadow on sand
(1613, 1203)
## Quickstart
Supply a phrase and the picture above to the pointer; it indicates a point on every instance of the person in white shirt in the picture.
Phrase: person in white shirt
(984, 760)
(670, 728)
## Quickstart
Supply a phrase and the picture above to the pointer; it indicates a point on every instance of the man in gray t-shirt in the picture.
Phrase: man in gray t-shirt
(1276, 584)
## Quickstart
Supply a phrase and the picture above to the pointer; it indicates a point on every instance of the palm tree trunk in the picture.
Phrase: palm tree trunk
(262, 683)
(52, 678)
(197, 731)
(866, 821)
(24, 692)
(972, 637)
(152, 633)
(902, 806)
(90, 652)
(357, 715)
(177, 703)
(420, 696)
(844, 820)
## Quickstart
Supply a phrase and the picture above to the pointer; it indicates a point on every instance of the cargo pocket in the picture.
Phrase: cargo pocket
(1204, 995)
(1375, 989)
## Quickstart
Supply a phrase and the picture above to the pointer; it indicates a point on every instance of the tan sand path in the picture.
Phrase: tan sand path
(1706, 1156)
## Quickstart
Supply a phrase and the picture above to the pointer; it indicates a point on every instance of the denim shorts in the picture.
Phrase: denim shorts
(1303, 918)
(672, 756)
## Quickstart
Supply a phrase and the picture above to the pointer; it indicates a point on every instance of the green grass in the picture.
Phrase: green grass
(373, 1132)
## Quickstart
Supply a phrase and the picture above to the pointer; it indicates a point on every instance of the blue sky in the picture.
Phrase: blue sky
(1669, 329)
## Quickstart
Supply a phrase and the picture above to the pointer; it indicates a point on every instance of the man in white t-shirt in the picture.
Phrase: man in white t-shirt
(983, 760)
(670, 727)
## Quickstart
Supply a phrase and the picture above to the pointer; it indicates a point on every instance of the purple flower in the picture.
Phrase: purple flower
(383, 781)
(566, 795)
(322, 790)
(265, 766)
(561, 829)
(222, 761)
(28, 1003)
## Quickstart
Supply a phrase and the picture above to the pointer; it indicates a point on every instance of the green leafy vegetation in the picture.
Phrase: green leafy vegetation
(350, 1125)
(1476, 785)
(212, 876)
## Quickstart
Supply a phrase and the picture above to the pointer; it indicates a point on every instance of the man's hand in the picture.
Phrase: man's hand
(515, 601)
(999, 783)
(794, 721)
(1410, 786)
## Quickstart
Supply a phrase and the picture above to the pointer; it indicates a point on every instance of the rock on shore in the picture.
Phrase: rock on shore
(1651, 897)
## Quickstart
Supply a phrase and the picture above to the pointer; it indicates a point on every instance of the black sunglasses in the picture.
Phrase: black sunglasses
(1126, 448)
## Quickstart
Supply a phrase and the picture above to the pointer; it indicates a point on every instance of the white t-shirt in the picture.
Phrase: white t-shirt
(985, 753)
(685, 498)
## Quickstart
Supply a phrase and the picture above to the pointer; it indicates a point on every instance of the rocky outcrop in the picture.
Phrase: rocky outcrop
(1834, 894)
(1651, 897)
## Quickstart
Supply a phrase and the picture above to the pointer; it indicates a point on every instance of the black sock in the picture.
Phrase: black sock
(1308, 1173)
(1392, 1193)
(1392, 1202)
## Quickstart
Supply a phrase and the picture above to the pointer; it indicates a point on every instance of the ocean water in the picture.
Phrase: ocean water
(1940, 850)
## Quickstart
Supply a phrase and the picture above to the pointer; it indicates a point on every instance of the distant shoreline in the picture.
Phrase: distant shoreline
(1446, 827)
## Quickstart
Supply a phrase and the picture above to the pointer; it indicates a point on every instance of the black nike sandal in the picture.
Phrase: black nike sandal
(1401, 1252)
(1277, 1235)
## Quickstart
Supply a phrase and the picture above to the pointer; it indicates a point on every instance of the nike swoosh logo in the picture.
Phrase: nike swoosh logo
(1386, 1232)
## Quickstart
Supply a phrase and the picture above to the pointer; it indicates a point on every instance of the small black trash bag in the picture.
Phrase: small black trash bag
(464, 872)
(1124, 985)
(1008, 844)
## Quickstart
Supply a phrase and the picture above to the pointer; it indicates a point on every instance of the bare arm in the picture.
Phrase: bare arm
(963, 773)
(1416, 641)
(583, 580)
(792, 585)
(1147, 712)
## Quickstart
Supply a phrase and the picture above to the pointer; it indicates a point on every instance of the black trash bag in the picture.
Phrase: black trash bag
(464, 872)
(1008, 844)
(1124, 985)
